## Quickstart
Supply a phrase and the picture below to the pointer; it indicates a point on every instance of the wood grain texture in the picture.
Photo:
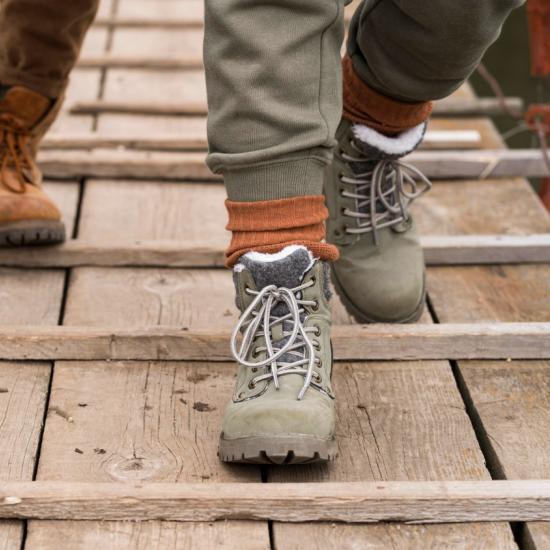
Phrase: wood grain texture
(187, 61)
(103, 163)
(148, 535)
(357, 343)
(438, 250)
(442, 139)
(147, 421)
(509, 400)
(27, 298)
(352, 502)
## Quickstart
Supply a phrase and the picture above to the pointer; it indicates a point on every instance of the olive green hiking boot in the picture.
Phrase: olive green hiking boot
(282, 411)
(380, 273)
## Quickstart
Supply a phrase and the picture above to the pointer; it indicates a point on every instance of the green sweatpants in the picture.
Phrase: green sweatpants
(274, 84)
(273, 71)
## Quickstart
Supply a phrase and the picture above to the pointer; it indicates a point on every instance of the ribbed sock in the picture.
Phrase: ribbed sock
(270, 226)
(363, 105)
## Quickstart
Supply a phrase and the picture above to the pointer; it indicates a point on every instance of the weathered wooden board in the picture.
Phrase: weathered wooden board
(147, 421)
(27, 298)
(510, 400)
(122, 163)
(358, 343)
(438, 250)
(148, 535)
(352, 502)
(443, 139)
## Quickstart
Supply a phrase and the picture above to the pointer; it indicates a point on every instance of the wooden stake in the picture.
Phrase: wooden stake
(404, 501)
(351, 343)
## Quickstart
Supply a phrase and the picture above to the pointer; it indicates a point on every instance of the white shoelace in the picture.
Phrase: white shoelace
(257, 322)
(387, 180)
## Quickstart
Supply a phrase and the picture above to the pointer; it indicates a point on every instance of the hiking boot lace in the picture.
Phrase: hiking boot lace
(383, 193)
(14, 155)
(297, 353)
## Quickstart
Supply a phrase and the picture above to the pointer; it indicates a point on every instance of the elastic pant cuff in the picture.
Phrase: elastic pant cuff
(276, 180)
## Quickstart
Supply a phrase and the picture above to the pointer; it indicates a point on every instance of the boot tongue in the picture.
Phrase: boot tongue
(284, 269)
(26, 106)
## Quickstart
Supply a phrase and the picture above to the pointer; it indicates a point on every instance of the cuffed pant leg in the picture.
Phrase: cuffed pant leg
(40, 41)
(418, 50)
(274, 94)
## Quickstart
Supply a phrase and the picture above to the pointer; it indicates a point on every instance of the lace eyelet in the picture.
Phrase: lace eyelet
(319, 379)
(316, 344)
(315, 306)
(313, 280)
(254, 369)
(251, 385)
(317, 330)
(240, 396)
(319, 363)
(343, 211)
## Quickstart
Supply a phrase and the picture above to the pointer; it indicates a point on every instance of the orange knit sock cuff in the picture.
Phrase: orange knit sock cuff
(363, 105)
(270, 226)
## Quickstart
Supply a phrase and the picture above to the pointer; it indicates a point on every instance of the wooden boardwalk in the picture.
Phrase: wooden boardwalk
(115, 373)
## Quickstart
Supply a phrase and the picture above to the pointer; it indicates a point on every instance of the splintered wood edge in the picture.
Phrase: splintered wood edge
(403, 501)
(438, 250)
(351, 343)
(115, 163)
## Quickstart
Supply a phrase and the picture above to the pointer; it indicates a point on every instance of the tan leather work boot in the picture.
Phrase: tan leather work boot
(27, 215)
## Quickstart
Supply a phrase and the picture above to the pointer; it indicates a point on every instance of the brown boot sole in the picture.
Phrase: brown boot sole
(31, 233)
(279, 450)
(360, 317)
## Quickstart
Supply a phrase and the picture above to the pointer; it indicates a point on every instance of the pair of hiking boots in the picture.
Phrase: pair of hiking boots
(282, 409)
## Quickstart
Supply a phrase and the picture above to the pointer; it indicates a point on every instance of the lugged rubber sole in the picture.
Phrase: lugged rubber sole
(360, 317)
(31, 233)
(280, 450)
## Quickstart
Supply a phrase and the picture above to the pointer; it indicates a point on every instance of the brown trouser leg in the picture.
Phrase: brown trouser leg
(40, 41)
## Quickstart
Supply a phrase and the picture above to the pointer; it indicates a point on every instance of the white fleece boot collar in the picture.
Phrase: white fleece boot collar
(398, 146)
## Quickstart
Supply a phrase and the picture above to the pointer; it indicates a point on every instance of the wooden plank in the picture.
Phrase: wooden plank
(27, 298)
(427, 416)
(351, 343)
(112, 61)
(146, 421)
(509, 401)
(142, 23)
(147, 535)
(444, 108)
(168, 142)
(352, 502)
(166, 165)
(438, 250)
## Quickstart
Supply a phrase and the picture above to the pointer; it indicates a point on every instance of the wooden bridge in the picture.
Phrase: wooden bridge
(115, 366)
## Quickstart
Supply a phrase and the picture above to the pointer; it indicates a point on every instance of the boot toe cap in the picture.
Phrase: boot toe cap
(389, 291)
(314, 415)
